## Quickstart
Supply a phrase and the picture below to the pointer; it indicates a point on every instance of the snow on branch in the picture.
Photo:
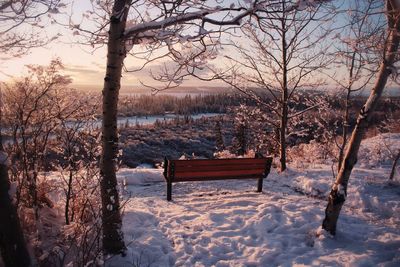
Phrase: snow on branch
(183, 18)
(304, 4)
(155, 25)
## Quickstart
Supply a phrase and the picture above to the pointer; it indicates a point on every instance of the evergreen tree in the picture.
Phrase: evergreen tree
(219, 139)
(240, 140)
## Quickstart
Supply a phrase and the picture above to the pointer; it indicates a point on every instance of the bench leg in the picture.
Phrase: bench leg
(260, 185)
(169, 191)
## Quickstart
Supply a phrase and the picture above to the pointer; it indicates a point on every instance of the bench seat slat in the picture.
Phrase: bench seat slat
(221, 173)
(208, 162)
(210, 178)
(238, 166)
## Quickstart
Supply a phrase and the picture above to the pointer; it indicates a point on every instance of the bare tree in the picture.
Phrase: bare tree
(389, 54)
(21, 24)
(76, 123)
(77, 141)
(281, 52)
(357, 49)
(27, 117)
(31, 116)
(48, 121)
(391, 125)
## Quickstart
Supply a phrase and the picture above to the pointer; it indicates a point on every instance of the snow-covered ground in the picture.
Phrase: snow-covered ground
(226, 223)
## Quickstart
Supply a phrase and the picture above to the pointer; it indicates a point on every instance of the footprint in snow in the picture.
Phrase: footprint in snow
(217, 217)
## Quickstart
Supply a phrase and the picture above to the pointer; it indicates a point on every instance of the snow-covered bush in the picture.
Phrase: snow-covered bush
(313, 152)
(378, 150)
(226, 154)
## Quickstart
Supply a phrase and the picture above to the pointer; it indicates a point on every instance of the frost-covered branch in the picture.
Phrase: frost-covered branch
(280, 54)
(21, 24)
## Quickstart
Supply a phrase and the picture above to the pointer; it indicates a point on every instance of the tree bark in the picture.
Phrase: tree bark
(338, 193)
(395, 161)
(113, 241)
(345, 126)
(12, 243)
(68, 198)
(282, 137)
(284, 97)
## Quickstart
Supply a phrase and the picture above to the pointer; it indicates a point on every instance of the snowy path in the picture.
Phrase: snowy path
(225, 223)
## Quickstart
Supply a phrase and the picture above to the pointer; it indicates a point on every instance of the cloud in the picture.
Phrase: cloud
(79, 69)
(156, 68)
(97, 64)
(93, 75)
(85, 74)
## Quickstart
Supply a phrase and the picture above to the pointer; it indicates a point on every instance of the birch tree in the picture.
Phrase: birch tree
(389, 55)
(163, 26)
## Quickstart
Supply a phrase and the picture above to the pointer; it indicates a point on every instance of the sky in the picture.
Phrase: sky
(84, 64)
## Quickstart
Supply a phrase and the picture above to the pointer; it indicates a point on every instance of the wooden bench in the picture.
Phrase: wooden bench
(215, 169)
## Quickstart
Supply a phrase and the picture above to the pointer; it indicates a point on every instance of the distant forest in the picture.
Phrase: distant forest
(147, 105)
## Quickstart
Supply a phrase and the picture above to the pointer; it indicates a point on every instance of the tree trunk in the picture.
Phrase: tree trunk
(282, 138)
(113, 241)
(338, 193)
(284, 97)
(345, 126)
(346, 118)
(395, 161)
(12, 243)
(68, 197)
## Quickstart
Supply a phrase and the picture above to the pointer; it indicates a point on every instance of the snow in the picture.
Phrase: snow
(140, 176)
(142, 27)
(226, 223)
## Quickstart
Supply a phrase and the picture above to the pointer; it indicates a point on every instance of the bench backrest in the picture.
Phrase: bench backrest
(216, 169)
